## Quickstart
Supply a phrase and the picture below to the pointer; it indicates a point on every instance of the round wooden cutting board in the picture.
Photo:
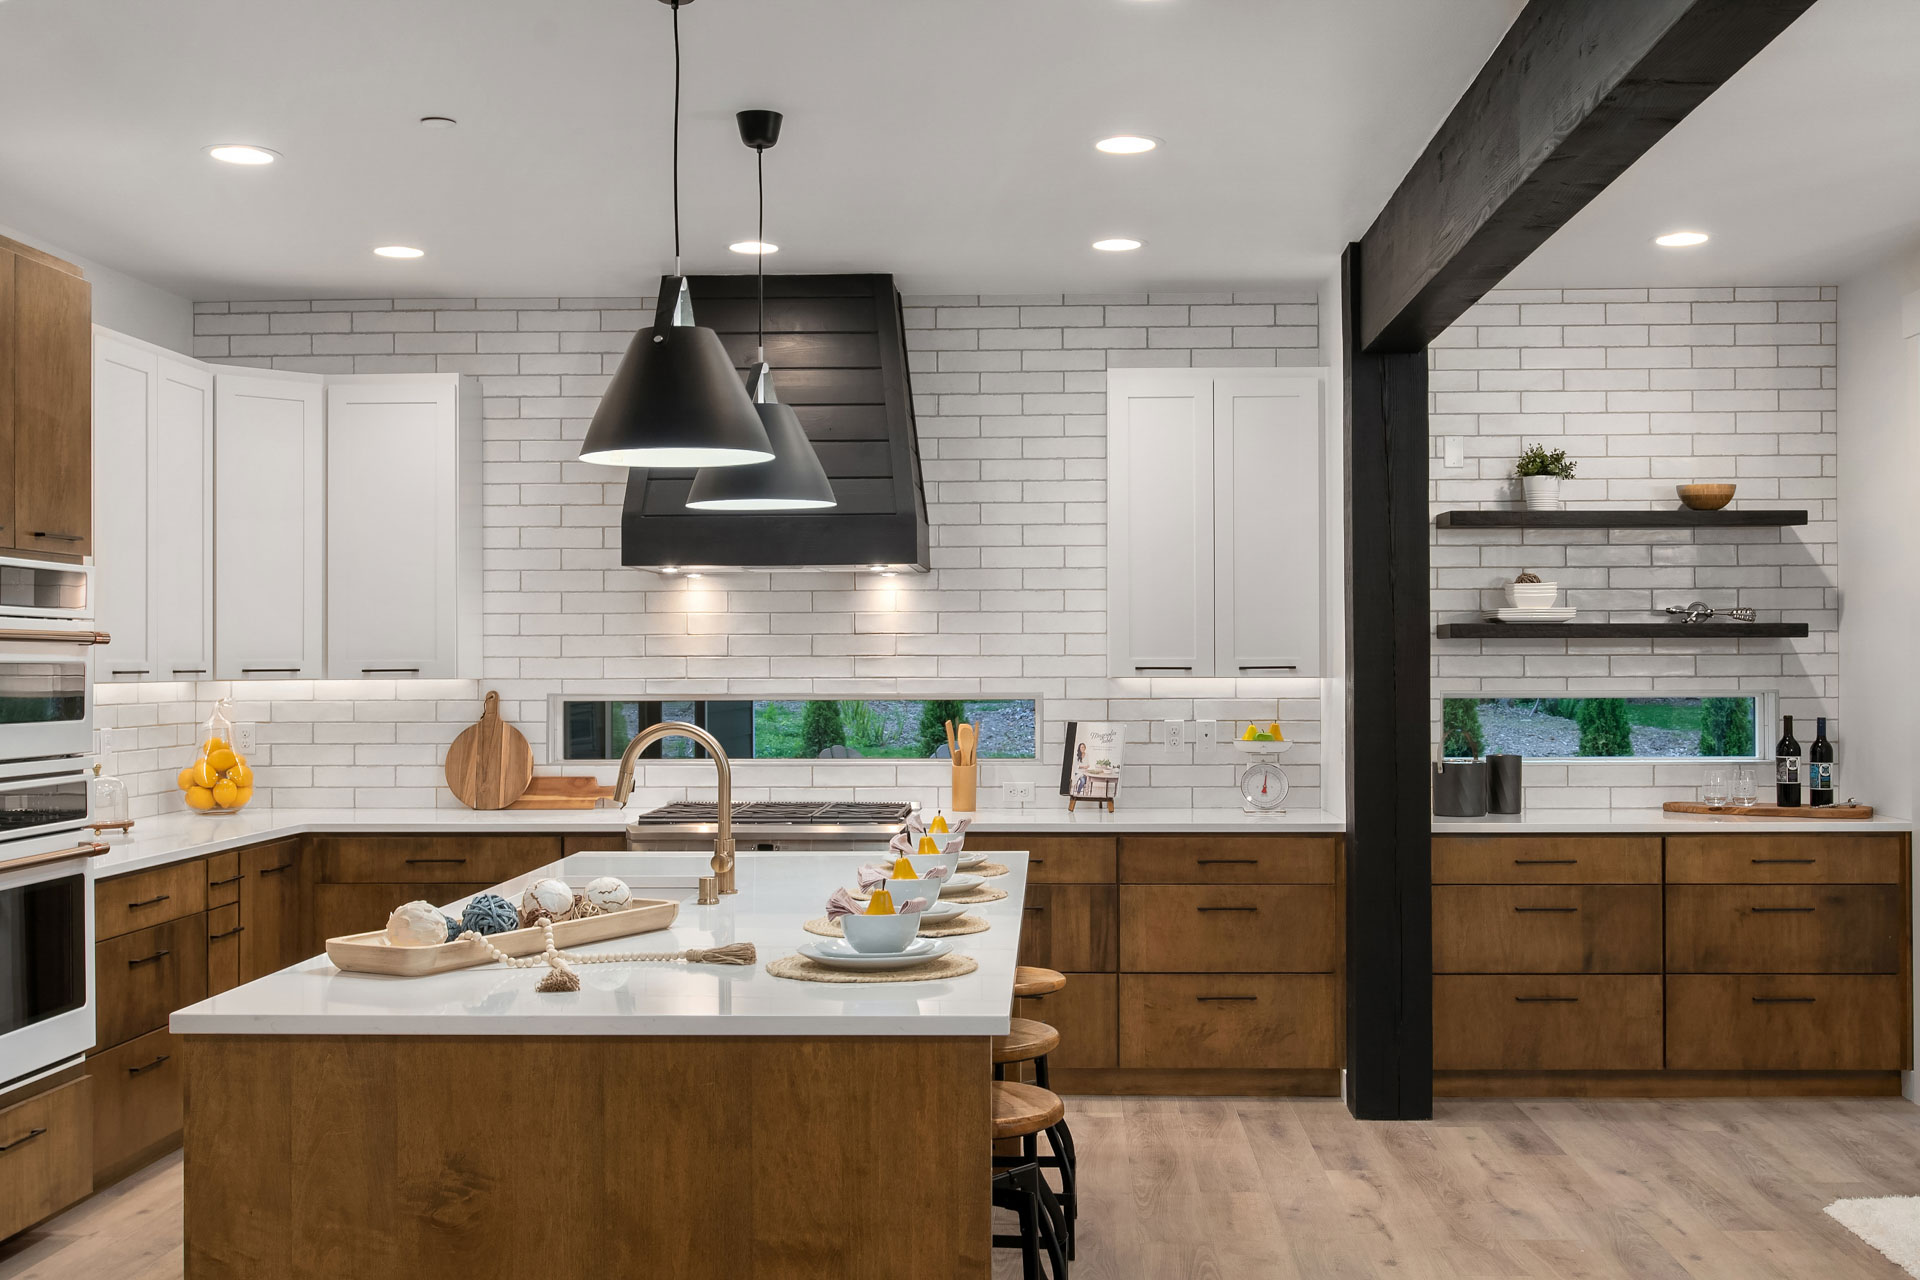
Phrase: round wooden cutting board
(490, 764)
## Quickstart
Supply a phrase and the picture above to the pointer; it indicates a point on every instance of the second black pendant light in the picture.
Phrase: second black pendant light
(794, 480)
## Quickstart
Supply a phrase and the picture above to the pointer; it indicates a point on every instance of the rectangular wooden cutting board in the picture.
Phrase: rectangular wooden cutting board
(1825, 813)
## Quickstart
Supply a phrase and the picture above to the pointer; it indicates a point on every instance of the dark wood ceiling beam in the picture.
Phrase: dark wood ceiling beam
(1574, 94)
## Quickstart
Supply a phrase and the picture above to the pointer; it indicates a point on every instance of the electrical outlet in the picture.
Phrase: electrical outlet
(1176, 733)
(1209, 730)
(243, 739)
(1020, 792)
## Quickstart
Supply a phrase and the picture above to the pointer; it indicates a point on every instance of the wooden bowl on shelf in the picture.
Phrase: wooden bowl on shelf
(1705, 497)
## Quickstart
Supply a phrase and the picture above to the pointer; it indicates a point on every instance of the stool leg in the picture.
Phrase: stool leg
(1011, 1191)
(1060, 1138)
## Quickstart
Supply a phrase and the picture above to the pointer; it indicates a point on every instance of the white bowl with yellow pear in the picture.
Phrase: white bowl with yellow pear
(1257, 741)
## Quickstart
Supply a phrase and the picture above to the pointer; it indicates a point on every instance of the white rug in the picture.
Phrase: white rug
(1890, 1224)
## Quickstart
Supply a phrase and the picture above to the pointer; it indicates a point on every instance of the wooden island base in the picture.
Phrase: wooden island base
(446, 1158)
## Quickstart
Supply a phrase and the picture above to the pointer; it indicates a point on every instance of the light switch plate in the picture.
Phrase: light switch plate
(1209, 730)
(1176, 733)
(1455, 450)
(244, 739)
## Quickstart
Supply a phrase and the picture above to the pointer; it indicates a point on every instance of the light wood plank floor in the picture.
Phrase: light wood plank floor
(1226, 1189)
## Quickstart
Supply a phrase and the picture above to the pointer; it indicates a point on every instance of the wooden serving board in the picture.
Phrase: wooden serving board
(563, 793)
(490, 764)
(372, 953)
(1825, 813)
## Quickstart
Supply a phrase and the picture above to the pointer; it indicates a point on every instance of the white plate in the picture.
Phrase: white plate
(836, 953)
(1559, 614)
(973, 859)
(941, 912)
(961, 883)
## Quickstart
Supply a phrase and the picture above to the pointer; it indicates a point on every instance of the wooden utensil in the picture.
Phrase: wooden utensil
(563, 792)
(953, 752)
(490, 764)
(967, 741)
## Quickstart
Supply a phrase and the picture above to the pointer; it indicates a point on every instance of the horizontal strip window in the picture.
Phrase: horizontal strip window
(595, 730)
(1591, 730)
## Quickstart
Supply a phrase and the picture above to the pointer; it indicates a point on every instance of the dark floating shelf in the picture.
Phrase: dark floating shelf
(1620, 630)
(1679, 518)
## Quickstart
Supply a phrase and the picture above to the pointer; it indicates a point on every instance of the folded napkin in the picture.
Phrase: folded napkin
(874, 873)
(918, 824)
(912, 906)
(841, 903)
(902, 845)
(936, 873)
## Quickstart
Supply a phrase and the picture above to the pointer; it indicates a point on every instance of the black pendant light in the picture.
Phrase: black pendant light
(794, 480)
(676, 401)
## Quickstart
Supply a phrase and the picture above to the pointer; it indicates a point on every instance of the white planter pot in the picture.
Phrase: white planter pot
(1543, 492)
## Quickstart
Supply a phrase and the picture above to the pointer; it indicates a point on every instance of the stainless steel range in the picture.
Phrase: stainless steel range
(772, 825)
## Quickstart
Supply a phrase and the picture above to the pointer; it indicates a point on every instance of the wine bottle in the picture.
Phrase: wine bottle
(1786, 769)
(1820, 766)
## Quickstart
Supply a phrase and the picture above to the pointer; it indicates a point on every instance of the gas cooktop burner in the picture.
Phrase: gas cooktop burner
(781, 813)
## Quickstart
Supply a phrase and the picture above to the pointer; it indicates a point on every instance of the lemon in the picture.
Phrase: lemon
(241, 775)
(199, 798)
(204, 774)
(213, 744)
(241, 797)
(186, 778)
(222, 759)
(225, 793)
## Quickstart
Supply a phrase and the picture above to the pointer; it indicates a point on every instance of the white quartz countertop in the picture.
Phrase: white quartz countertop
(778, 893)
(1626, 822)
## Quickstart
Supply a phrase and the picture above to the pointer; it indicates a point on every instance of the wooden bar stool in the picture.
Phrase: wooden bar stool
(1028, 1040)
(1024, 1111)
(1032, 980)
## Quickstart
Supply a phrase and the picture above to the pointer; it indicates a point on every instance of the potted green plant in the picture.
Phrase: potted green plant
(1541, 470)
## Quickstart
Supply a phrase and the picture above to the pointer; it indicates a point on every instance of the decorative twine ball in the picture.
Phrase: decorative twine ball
(584, 908)
(454, 928)
(417, 924)
(553, 897)
(490, 913)
(609, 893)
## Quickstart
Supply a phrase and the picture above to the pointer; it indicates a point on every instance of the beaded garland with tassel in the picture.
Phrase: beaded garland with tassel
(562, 978)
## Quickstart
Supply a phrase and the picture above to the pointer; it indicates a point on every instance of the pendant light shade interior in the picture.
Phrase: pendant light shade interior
(793, 481)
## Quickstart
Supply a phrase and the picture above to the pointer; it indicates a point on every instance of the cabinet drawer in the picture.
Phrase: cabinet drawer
(1205, 859)
(1785, 1022)
(341, 909)
(1054, 859)
(1229, 1020)
(432, 859)
(223, 948)
(593, 842)
(1604, 928)
(1546, 860)
(126, 903)
(140, 978)
(46, 1150)
(1785, 928)
(1253, 928)
(1070, 927)
(1085, 1012)
(1557, 1022)
(137, 1102)
(223, 878)
(1784, 859)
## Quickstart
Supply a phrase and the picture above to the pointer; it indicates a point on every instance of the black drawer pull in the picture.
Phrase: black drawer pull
(158, 955)
(1783, 999)
(131, 671)
(1775, 911)
(189, 671)
(148, 902)
(381, 671)
(274, 871)
(215, 884)
(1546, 862)
(1227, 909)
(215, 937)
(1034, 862)
(1791, 862)
(59, 537)
(138, 1071)
(21, 1142)
(1530, 910)
(420, 861)
(276, 671)
(1546, 999)
(1223, 999)
(1228, 862)
(1036, 908)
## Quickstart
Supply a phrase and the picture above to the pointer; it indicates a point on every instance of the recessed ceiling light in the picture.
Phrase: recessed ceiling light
(1126, 144)
(400, 251)
(1119, 244)
(696, 575)
(240, 153)
(1681, 239)
(437, 122)
(754, 246)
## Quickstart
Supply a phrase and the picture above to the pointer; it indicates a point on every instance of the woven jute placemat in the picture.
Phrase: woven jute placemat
(944, 929)
(988, 869)
(801, 969)
(979, 893)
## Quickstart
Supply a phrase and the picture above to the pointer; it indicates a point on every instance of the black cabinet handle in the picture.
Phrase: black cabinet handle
(1546, 862)
(272, 671)
(274, 871)
(1556, 910)
(1546, 999)
(148, 902)
(1791, 862)
(1036, 908)
(1228, 862)
(189, 671)
(1265, 666)
(158, 955)
(1775, 911)
(1161, 667)
(1034, 862)
(21, 1142)
(131, 671)
(61, 537)
(215, 937)
(1783, 999)
(137, 1071)
(389, 671)
(418, 861)
(215, 884)
(1226, 908)
(1213, 999)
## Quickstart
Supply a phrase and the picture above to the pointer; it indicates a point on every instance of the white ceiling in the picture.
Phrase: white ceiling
(1804, 168)
(947, 141)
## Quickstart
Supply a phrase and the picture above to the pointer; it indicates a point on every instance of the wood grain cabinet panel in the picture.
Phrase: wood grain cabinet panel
(1546, 928)
(272, 906)
(147, 898)
(593, 842)
(142, 977)
(1546, 860)
(1785, 929)
(1054, 859)
(1785, 858)
(1086, 1014)
(342, 909)
(46, 1149)
(1558, 1022)
(1215, 859)
(1229, 1020)
(224, 877)
(52, 410)
(1254, 928)
(7, 359)
(1786, 1022)
(137, 1103)
(223, 948)
(1070, 927)
(400, 859)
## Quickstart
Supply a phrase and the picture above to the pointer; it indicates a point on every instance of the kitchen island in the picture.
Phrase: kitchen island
(666, 1119)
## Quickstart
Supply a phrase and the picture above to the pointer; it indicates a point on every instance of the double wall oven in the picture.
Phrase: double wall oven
(47, 643)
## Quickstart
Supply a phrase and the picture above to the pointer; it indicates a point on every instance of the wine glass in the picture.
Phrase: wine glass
(1714, 791)
(1745, 792)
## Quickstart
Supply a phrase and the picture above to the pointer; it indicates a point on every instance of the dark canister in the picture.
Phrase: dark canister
(1460, 789)
(1503, 785)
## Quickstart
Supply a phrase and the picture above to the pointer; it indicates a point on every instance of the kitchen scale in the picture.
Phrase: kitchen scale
(1263, 787)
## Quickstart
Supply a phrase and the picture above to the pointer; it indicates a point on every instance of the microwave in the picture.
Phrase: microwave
(46, 690)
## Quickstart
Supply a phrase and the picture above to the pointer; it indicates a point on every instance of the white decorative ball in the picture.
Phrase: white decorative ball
(417, 924)
(609, 893)
(551, 896)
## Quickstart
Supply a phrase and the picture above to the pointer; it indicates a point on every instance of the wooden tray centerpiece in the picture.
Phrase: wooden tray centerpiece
(372, 953)
(1825, 812)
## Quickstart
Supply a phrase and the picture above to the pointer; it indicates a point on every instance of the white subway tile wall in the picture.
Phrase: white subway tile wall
(1645, 389)
(1010, 398)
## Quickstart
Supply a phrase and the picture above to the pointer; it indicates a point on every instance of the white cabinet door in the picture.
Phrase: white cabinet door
(1268, 534)
(395, 559)
(126, 377)
(269, 525)
(180, 522)
(1160, 469)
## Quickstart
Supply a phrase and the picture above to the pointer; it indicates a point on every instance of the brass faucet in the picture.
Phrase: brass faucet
(723, 838)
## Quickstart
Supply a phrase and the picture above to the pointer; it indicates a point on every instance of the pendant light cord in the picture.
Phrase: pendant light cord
(676, 137)
(760, 263)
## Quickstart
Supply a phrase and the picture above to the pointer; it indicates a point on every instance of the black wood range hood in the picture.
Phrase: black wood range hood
(838, 350)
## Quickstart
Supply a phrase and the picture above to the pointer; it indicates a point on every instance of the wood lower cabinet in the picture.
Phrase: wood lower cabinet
(1086, 1014)
(1211, 859)
(431, 859)
(138, 1104)
(1070, 927)
(1786, 859)
(272, 903)
(224, 928)
(46, 1155)
(1055, 859)
(1785, 928)
(1229, 1020)
(1556, 1022)
(1786, 1022)
(342, 909)
(1546, 860)
(1575, 928)
(141, 977)
(147, 898)
(1250, 928)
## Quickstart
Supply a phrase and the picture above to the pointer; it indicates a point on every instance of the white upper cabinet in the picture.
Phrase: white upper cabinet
(269, 525)
(1216, 546)
(403, 539)
(126, 392)
(180, 522)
